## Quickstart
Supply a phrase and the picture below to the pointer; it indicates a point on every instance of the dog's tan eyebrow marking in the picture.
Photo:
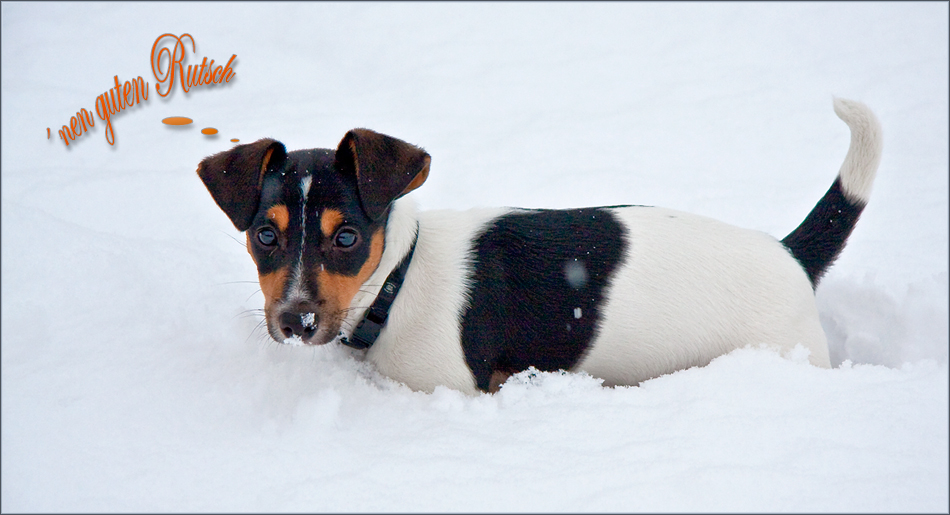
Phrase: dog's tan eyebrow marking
(340, 289)
(280, 216)
(330, 219)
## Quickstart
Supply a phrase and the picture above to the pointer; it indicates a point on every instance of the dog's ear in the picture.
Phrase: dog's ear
(386, 168)
(234, 177)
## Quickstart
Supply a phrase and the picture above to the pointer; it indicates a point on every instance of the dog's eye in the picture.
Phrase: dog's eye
(267, 237)
(346, 237)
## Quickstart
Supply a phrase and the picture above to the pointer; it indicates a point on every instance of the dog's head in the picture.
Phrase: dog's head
(315, 221)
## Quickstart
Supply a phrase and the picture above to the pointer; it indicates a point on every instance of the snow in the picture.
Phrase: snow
(136, 374)
(575, 273)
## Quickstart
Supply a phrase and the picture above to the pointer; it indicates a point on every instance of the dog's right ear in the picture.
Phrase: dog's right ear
(234, 177)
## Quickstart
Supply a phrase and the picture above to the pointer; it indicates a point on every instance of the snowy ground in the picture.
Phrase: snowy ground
(133, 378)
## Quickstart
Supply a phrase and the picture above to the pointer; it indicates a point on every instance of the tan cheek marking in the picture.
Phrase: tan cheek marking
(272, 286)
(280, 216)
(340, 289)
(330, 219)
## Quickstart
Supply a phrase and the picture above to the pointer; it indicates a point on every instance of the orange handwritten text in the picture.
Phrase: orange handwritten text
(168, 65)
(195, 75)
(77, 126)
(116, 99)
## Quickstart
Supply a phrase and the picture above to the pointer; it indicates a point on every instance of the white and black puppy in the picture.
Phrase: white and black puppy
(464, 299)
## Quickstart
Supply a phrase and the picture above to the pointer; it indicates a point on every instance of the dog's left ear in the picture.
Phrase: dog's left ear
(386, 168)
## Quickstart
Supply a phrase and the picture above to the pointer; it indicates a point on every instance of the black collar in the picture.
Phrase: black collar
(365, 334)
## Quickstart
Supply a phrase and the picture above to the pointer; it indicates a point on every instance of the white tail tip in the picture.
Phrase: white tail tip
(860, 165)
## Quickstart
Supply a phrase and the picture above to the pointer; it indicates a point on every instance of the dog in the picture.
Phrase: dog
(465, 299)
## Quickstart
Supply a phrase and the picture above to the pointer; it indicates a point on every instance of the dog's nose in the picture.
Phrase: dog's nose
(303, 325)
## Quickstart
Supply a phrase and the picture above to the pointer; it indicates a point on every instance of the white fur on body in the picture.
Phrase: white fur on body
(691, 289)
(688, 290)
(421, 344)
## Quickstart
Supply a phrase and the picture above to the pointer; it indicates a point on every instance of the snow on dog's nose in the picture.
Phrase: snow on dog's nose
(298, 328)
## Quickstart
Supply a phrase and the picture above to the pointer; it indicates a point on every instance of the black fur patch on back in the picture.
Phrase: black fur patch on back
(538, 289)
(819, 239)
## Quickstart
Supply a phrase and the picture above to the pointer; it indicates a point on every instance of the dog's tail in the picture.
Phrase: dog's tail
(819, 239)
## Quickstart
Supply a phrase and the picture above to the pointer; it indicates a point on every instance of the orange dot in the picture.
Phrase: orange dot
(209, 131)
(234, 140)
(176, 120)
